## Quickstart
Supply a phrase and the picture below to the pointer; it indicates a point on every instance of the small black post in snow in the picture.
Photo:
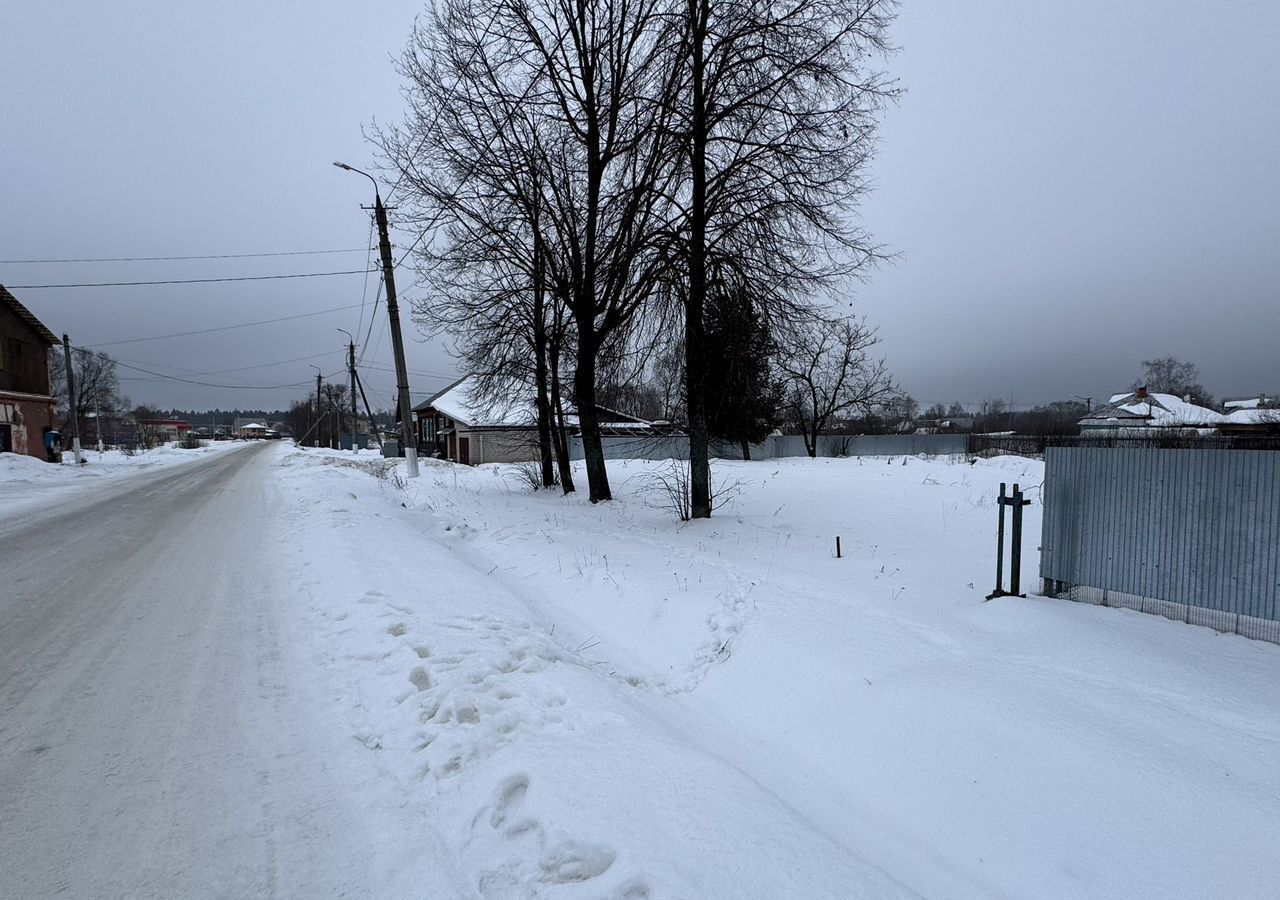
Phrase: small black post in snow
(837, 546)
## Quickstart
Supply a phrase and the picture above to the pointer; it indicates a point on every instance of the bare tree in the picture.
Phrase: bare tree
(778, 117)
(1168, 375)
(828, 374)
(567, 97)
(97, 387)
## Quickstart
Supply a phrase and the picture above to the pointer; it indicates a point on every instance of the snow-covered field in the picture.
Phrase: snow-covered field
(599, 702)
(27, 483)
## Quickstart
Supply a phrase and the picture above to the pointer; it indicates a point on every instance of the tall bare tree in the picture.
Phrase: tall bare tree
(778, 117)
(569, 95)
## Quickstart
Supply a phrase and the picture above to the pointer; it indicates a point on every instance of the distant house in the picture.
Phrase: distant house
(461, 426)
(27, 406)
(250, 429)
(948, 425)
(164, 429)
(1142, 412)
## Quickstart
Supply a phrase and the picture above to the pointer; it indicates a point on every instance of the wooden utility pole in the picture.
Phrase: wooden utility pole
(71, 400)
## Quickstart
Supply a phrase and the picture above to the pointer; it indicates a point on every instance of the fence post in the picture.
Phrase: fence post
(999, 591)
(1015, 547)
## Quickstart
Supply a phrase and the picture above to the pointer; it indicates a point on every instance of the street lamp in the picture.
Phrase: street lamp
(407, 437)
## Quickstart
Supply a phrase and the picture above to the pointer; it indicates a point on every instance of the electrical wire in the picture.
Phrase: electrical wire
(161, 337)
(143, 362)
(232, 387)
(36, 287)
(368, 264)
(101, 259)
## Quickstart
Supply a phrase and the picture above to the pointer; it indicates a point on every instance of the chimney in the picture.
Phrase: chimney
(1142, 392)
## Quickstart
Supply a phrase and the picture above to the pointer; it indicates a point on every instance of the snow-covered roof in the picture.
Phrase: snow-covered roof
(1155, 409)
(1249, 402)
(1253, 417)
(462, 402)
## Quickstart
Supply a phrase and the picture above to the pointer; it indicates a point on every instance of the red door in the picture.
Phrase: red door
(464, 451)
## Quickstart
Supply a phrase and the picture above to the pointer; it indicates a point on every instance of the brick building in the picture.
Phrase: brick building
(26, 395)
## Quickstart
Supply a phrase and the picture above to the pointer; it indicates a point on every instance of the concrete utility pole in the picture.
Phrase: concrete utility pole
(351, 374)
(407, 437)
(315, 442)
(71, 400)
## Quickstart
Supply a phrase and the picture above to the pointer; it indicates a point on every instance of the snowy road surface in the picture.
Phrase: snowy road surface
(154, 740)
(285, 673)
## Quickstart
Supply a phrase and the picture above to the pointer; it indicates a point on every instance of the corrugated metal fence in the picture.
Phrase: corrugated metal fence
(1192, 534)
(779, 446)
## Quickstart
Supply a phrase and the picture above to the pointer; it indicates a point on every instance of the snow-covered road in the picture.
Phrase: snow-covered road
(157, 737)
(273, 672)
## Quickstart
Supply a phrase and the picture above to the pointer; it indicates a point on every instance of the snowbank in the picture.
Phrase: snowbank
(596, 701)
(27, 483)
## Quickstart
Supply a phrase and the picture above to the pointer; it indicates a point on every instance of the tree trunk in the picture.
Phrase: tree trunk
(746, 450)
(584, 390)
(540, 369)
(695, 301)
(560, 433)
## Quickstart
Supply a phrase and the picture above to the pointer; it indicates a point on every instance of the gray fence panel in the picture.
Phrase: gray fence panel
(1199, 528)
(779, 446)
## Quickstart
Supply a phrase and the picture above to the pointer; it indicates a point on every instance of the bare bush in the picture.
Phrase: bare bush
(668, 488)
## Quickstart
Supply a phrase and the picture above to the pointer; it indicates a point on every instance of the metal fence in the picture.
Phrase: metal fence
(1191, 534)
(1169, 439)
(779, 446)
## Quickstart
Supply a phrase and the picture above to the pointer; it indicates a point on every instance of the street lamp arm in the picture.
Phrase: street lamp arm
(342, 165)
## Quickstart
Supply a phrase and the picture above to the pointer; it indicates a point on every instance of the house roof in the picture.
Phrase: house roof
(10, 302)
(1253, 417)
(461, 401)
(1155, 409)
(1248, 402)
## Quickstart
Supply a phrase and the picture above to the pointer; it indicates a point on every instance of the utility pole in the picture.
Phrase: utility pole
(351, 374)
(316, 440)
(97, 420)
(407, 437)
(369, 412)
(71, 400)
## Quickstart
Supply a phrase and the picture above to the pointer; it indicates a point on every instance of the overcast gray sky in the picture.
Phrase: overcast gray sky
(1073, 187)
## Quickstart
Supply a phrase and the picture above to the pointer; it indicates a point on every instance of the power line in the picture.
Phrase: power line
(232, 387)
(34, 287)
(143, 362)
(368, 264)
(161, 337)
(171, 258)
(424, 374)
